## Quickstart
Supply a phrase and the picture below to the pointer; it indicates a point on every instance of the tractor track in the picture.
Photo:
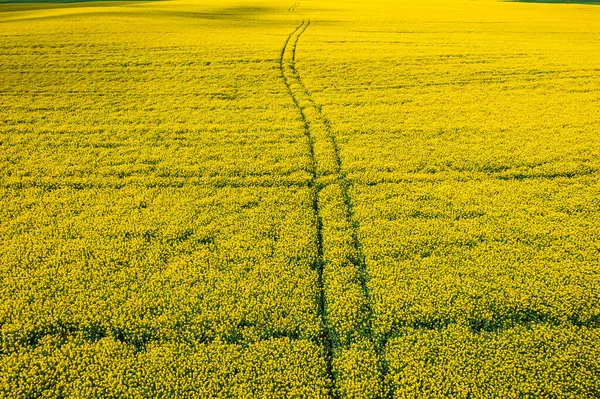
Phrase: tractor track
(286, 64)
(319, 135)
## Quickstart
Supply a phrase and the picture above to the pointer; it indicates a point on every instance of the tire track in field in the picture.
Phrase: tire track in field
(286, 60)
(331, 202)
(293, 8)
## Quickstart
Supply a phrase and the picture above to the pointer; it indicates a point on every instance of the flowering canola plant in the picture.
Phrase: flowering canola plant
(319, 199)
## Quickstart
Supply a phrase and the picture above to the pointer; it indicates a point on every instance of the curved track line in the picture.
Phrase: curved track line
(286, 65)
(326, 169)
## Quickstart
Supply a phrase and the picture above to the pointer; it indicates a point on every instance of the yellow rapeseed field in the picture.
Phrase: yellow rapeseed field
(299, 199)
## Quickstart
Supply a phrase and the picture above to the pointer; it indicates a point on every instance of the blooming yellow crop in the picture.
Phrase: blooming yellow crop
(310, 199)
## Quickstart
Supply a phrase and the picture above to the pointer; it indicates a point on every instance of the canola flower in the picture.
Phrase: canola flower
(299, 200)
